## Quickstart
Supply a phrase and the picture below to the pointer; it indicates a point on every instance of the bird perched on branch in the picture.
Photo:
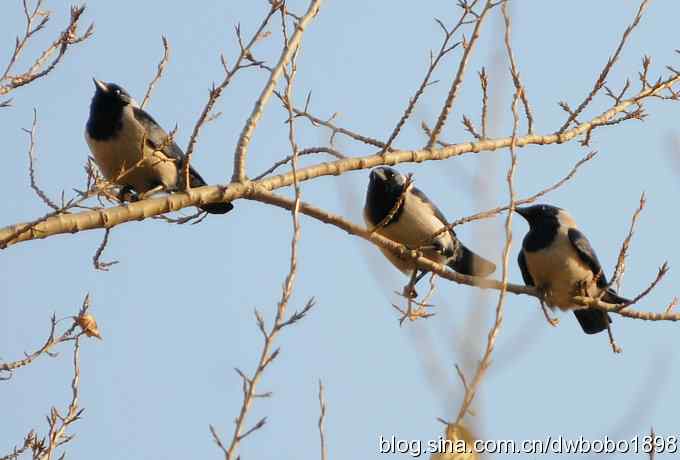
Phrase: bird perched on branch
(399, 211)
(558, 259)
(133, 151)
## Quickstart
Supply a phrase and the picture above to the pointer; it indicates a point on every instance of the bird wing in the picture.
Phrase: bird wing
(435, 210)
(522, 262)
(461, 259)
(587, 254)
(157, 138)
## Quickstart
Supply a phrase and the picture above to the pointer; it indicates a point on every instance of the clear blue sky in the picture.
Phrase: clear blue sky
(177, 311)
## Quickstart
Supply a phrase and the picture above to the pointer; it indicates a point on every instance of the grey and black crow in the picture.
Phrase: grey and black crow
(558, 259)
(414, 223)
(132, 150)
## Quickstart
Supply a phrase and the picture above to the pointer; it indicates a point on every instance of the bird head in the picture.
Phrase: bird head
(112, 94)
(542, 215)
(387, 180)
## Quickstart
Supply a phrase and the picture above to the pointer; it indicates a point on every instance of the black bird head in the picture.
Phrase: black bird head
(385, 186)
(387, 180)
(110, 94)
(106, 110)
(540, 215)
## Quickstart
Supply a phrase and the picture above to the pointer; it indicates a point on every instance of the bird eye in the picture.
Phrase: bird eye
(117, 92)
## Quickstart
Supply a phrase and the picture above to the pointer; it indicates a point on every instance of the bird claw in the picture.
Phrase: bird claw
(581, 288)
(409, 292)
(545, 294)
(153, 191)
(411, 313)
(552, 321)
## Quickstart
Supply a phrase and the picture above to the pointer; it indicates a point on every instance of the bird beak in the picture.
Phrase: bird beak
(523, 212)
(379, 174)
(101, 85)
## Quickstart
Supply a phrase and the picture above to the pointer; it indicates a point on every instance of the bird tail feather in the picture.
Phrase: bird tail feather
(469, 263)
(195, 180)
(592, 320)
(610, 296)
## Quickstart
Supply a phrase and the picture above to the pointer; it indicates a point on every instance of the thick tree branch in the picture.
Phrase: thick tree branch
(427, 265)
(110, 217)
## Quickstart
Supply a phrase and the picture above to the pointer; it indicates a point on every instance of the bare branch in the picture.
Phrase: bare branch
(322, 416)
(40, 68)
(159, 71)
(280, 322)
(602, 79)
(485, 362)
(239, 174)
(216, 91)
(308, 151)
(111, 217)
(621, 260)
(31, 166)
(427, 265)
(96, 259)
(515, 73)
(460, 73)
(434, 62)
(338, 130)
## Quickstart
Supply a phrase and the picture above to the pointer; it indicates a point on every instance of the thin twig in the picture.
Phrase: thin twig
(216, 91)
(601, 80)
(484, 83)
(309, 151)
(51, 341)
(40, 68)
(425, 264)
(159, 71)
(316, 121)
(485, 362)
(96, 259)
(267, 356)
(621, 260)
(434, 62)
(513, 70)
(495, 211)
(103, 218)
(460, 73)
(322, 416)
(59, 423)
(239, 174)
(31, 166)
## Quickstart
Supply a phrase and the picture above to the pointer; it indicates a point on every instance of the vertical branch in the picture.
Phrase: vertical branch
(458, 81)
(239, 174)
(471, 389)
(484, 83)
(623, 253)
(59, 423)
(31, 166)
(267, 356)
(159, 71)
(322, 416)
(513, 70)
(216, 91)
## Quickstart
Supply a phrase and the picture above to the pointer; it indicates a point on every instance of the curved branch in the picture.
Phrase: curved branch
(289, 50)
(110, 217)
(422, 263)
